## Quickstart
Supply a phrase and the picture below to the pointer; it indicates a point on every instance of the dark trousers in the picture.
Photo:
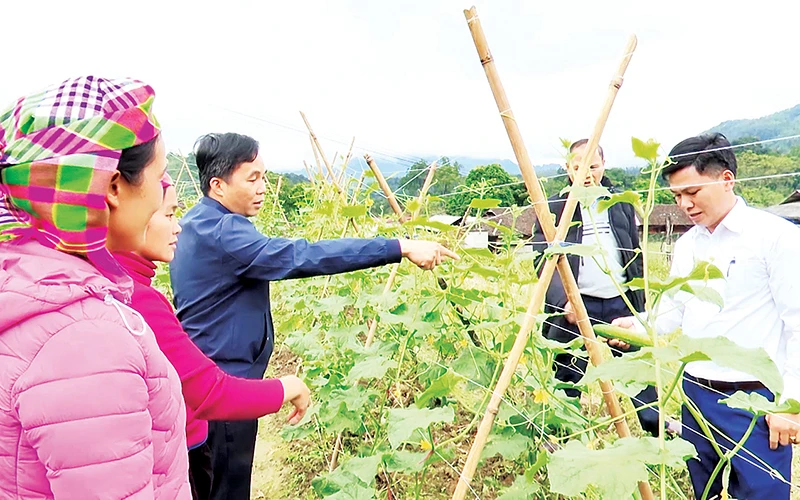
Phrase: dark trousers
(232, 447)
(200, 472)
(748, 478)
(570, 368)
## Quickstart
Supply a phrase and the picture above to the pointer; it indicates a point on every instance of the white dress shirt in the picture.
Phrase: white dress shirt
(758, 253)
(592, 278)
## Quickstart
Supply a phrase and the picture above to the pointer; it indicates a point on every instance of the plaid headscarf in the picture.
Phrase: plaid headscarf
(59, 149)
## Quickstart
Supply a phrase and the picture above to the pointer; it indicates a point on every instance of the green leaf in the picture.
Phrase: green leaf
(413, 205)
(430, 224)
(647, 150)
(301, 430)
(372, 367)
(402, 422)
(354, 397)
(639, 367)
(586, 195)
(753, 402)
(354, 492)
(630, 374)
(509, 445)
(353, 211)
(542, 459)
(466, 297)
(440, 387)
(523, 488)
(614, 471)
(475, 365)
(576, 249)
(566, 416)
(478, 253)
(703, 271)
(627, 197)
(484, 271)
(505, 231)
(725, 352)
(363, 468)
(342, 485)
(704, 293)
(326, 208)
(552, 345)
(332, 305)
(345, 336)
(405, 461)
(484, 203)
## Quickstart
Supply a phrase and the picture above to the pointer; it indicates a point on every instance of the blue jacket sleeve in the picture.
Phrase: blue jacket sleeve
(259, 257)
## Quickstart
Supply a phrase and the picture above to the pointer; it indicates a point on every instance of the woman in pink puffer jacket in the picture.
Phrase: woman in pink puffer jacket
(89, 406)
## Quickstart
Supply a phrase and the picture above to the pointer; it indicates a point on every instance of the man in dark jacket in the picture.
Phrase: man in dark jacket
(220, 278)
(615, 230)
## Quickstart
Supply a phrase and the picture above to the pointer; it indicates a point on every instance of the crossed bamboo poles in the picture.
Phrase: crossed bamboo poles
(554, 235)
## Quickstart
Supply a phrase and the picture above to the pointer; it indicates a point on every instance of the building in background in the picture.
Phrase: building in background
(789, 208)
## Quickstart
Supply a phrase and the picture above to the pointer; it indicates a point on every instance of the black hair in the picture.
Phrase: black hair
(575, 145)
(133, 161)
(219, 155)
(708, 153)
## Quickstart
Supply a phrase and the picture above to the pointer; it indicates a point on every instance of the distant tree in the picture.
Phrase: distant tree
(747, 139)
(445, 180)
(489, 181)
(447, 177)
(765, 192)
(623, 178)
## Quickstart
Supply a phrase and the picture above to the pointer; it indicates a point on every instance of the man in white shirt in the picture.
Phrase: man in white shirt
(757, 252)
(601, 281)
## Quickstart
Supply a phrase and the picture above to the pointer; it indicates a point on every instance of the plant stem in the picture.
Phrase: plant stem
(726, 458)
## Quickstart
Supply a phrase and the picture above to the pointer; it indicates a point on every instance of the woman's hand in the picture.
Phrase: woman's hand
(296, 392)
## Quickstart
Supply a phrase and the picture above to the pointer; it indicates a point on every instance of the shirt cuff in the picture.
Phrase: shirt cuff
(393, 252)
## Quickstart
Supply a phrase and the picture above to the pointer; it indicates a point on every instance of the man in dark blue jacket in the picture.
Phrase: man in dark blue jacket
(615, 231)
(220, 278)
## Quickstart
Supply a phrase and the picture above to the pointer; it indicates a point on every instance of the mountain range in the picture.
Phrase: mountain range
(780, 124)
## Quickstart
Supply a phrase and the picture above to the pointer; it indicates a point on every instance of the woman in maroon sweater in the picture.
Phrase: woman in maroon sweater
(210, 393)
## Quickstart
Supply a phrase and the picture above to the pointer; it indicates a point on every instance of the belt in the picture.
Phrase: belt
(722, 386)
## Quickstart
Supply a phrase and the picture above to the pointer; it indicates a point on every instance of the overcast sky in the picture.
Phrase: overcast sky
(404, 77)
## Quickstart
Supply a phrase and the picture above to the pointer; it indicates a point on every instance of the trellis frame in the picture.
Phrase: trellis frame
(554, 235)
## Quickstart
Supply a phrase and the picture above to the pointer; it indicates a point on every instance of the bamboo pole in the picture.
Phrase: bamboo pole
(197, 192)
(315, 142)
(346, 160)
(390, 282)
(425, 187)
(278, 191)
(358, 188)
(373, 323)
(334, 177)
(308, 171)
(316, 157)
(355, 197)
(384, 186)
(177, 180)
(552, 234)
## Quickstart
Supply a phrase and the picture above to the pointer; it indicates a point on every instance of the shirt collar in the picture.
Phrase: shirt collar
(212, 203)
(734, 221)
